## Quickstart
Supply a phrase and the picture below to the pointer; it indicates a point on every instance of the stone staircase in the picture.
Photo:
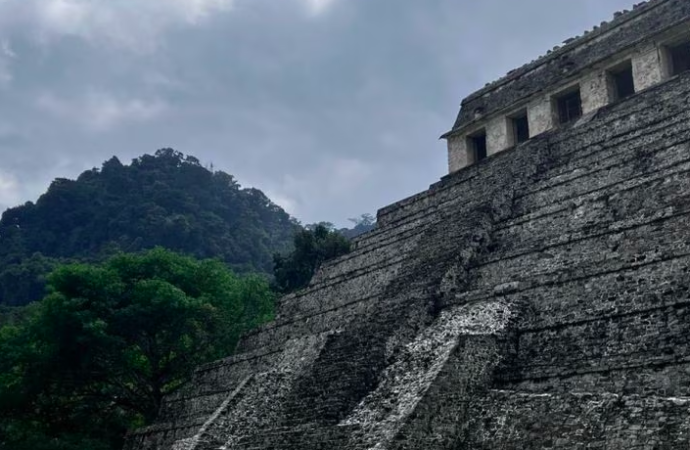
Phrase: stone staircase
(424, 362)
(537, 300)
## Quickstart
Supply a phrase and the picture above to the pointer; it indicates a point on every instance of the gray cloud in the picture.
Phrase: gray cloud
(333, 108)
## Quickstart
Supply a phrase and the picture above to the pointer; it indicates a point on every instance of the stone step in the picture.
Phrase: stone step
(434, 356)
(338, 317)
(651, 338)
(616, 251)
(671, 379)
(196, 404)
(525, 421)
(610, 294)
(669, 155)
(652, 199)
(162, 435)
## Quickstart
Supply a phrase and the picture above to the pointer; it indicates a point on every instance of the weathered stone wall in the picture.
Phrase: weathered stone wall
(624, 33)
(635, 43)
(539, 299)
(512, 420)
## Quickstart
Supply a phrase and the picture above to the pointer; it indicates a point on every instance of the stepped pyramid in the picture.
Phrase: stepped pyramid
(536, 297)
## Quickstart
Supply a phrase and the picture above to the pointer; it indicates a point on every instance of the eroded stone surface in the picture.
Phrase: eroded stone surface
(537, 300)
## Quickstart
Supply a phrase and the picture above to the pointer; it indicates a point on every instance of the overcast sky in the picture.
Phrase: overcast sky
(332, 107)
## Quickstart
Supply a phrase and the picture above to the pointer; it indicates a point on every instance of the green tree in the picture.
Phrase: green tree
(166, 199)
(312, 246)
(98, 354)
(24, 282)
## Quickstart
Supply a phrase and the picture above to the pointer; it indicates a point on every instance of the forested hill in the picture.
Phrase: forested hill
(167, 199)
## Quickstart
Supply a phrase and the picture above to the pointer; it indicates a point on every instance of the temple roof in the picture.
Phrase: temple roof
(619, 18)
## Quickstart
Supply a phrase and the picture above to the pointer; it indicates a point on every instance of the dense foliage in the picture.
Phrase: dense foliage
(126, 310)
(24, 281)
(167, 199)
(312, 247)
(100, 351)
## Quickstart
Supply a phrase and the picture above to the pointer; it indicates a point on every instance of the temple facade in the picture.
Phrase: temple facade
(611, 63)
(539, 299)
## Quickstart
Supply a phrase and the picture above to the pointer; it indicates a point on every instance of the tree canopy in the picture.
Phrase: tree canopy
(97, 355)
(312, 247)
(167, 199)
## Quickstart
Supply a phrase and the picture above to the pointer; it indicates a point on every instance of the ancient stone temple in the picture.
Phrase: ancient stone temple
(537, 297)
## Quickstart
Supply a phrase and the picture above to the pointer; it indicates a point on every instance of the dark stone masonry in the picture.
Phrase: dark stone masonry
(537, 299)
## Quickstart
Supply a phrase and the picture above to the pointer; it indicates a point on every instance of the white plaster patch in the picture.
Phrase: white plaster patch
(680, 401)
(193, 442)
(240, 408)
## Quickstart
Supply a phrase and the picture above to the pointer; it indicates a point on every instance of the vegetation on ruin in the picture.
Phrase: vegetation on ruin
(312, 247)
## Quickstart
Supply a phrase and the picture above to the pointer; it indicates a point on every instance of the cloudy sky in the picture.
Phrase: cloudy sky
(331, 107)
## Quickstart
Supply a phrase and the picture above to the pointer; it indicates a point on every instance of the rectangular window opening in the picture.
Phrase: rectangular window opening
(678, 58)
(622, 82)
(477, 146)
(569, 106)
(520, 128)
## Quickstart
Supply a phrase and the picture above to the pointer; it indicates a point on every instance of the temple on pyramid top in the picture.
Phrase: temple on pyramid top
(636, 51)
